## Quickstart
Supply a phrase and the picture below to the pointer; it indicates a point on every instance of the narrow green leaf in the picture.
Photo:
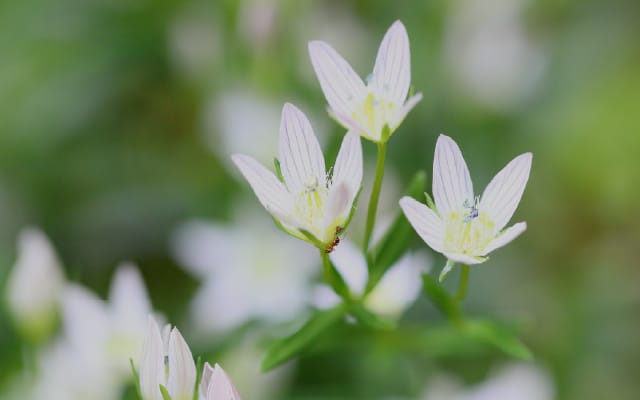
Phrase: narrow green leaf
(199, 370)
(276, 164)
(136, 378)
(445, 271)
(396, 240)
(312, 239)
(441, 298)
(370, 319)
(289, 347)
(430, 203)
(165, 393)
(499, 337)
(332, 277)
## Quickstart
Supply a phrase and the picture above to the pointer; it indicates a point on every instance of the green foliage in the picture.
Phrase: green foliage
(285, 349)
(396, 240)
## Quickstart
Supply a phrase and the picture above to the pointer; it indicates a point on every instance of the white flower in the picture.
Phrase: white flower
(167, 361)
(461, 226)
(107, 334)
(396, 291)
(247, 272)
(512, 381)
(309, 203)
(34, 285)
(216, 385)
(368, 108)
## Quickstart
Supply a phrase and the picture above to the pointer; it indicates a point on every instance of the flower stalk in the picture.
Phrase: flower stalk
(375, 195)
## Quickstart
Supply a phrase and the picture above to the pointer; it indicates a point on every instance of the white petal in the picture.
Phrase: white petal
(301, 159)
(348, 166)
(351, 264)
(85, 318)
(501, 197)
(342, 87)
(408, 106)
(465, 259)
(392, 72)
(399, 286)
(35, 282)
(207, 374)
(425, 222)
(353, 125)
(151, 368)
(506, 236)
(128, 295)
(221, 387)
(451, 180)
(324, 297)
(182, 369)
(269, 190)
(338, 207)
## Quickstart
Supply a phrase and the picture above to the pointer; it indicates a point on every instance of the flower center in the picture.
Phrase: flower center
(374, 112)
(309, 203)
(469, 230)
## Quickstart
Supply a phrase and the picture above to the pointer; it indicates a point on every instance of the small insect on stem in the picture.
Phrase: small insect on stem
(335, 242)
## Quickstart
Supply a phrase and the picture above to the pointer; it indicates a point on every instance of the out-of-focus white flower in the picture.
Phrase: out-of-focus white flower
(65, 374)
(107, 333)
(216, 385)
(308, 203)
(461, 226)
(368, 109)
(396, 291)
(247, 272)
(257, 21)
(166, 360)
(34, 285)
(239, 119)
(513, 381)
(491, 56)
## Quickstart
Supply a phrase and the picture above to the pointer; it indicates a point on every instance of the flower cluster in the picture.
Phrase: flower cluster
(168, 371)
(314, 205)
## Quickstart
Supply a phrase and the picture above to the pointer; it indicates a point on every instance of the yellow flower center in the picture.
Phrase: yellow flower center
(374, 113)
(309, 205)
(468, 232)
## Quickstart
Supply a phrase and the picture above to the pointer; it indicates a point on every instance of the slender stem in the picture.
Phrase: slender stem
(375, 195)
(464, 283)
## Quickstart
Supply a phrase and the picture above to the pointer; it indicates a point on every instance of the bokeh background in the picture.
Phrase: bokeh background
(117, 119)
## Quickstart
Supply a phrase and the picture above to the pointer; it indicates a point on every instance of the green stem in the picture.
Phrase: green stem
(375, 195)
(464, 283)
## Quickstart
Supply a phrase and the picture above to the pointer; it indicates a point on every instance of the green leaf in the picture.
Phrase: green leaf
(136, 378)
(441, 298)
(314, 240)
(445, 271)
(333, 278)
(370, 319)
(199, 370)
(396, 240)
(276, 164)
(289, 347)
(499, 337)
(430, 203)
(165, 393)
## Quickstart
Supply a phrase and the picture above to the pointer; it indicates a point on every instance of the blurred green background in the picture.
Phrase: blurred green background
(117, 119)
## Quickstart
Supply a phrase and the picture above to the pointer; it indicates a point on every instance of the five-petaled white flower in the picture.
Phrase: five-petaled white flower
(377, 108)
(461, 226)
(308, 203)
(216, 385)
(166, 361)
